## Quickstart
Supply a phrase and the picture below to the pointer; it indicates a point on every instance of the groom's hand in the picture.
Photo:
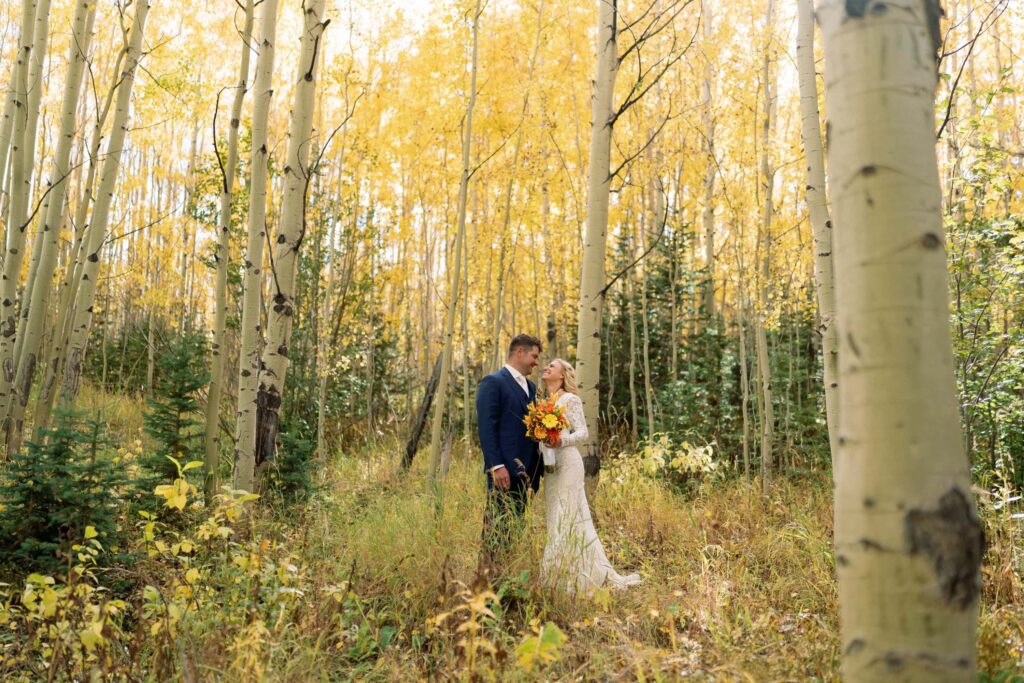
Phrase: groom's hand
(501, 479)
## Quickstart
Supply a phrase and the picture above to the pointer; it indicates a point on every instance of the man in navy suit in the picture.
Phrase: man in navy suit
(511, 460)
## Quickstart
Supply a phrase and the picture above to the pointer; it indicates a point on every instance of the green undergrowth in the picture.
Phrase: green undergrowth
(375, 578)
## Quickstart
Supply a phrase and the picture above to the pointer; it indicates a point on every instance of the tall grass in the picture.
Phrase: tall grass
(376, 579)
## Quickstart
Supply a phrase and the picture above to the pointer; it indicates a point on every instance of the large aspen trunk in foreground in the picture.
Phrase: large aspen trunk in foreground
(249, 354)
(592, 281)
(82, 314)
(441, 401)
(908, 542)
(821, 223)
(211, 434)
(289, 237)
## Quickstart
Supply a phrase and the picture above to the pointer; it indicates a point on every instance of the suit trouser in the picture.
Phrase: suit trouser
(503, 520)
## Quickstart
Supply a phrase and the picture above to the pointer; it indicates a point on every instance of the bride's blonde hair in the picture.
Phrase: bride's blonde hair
(568, 376)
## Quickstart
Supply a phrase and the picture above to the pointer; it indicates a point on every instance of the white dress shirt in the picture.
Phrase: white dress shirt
(519, 378)
(521, 381)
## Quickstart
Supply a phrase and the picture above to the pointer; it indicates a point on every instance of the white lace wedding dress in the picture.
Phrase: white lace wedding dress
(573, 556)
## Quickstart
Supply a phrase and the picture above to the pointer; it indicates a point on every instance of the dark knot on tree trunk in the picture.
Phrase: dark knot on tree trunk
(953, 539)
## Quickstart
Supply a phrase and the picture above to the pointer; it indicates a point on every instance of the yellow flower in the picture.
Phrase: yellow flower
(550, 421)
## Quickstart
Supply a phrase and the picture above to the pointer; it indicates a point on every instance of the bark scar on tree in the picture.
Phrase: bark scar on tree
(952, 538)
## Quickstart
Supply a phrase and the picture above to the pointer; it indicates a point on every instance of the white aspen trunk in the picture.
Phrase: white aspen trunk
(654, 211)
(441, 399)
(289, 239)
(82, 314)
(322, 348)
(467, 407)
(222, 254)
(708, 124)
(6, 133)
(249, 354)
(908, 543)
(40, 41)
(152, 275)
(592, 281)
(72, 276)
(371, 250)
(17, 210)
(674, 314)
(185, 318)
(629, 287)
(35, 307)
(817, 205)
(744, 385)
(764, 281)
(26, 292)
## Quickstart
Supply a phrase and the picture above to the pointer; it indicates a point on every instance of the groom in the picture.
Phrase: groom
(511, 460)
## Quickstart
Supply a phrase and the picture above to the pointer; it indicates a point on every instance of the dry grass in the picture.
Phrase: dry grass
(374, 580)
(737, 585)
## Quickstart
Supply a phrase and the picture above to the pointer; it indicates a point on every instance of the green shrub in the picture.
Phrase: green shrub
(65, 480)
(173, 418)
(290, 475)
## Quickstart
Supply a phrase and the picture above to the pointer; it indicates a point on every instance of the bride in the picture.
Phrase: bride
(573, 555)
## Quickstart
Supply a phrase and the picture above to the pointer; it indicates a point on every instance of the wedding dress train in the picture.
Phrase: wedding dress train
(573, 555)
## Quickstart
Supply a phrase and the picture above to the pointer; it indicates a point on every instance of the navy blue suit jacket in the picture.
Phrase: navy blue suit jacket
(500, 409)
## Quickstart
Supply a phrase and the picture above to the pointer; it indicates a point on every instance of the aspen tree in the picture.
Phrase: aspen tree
(97, 231)
(654, 211)
(290, 234)
(436, 426)
(37, 59)
(7, 132)
(467, 413)
(744, 385)
(17, 209)
(629, 288)
(592, 280)
(763, 282)
(654, 19)
(708, 123)
(36, 306)
(73, 271)
(222, 253)
(908, 543)
(322, 353)
(817, 205)
(40, 41)
(249, 355)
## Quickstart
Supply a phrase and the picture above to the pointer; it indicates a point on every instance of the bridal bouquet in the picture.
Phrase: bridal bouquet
(543, 419)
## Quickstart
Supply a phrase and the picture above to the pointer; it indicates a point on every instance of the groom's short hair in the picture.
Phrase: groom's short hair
(524, 341)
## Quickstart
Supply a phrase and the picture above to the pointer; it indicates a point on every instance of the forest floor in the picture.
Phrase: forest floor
(737, 586)
(372, 579)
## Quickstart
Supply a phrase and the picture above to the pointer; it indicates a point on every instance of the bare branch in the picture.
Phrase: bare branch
(661, 233)
(628, 160)
(216, 148)
(999, 5)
